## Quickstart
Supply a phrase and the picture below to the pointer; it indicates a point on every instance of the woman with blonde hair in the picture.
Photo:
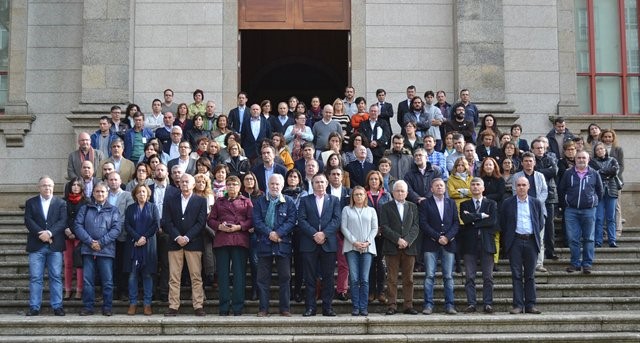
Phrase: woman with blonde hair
(341, 117)
(459, 183)
(359, 227)
(283, 151)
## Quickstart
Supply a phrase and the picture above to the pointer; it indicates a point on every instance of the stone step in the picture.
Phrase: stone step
(343, 328)
(373, 338)
(500, 291)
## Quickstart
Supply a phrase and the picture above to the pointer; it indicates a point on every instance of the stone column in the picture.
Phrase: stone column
(16, 121)
(479, 55)
(568, 104)
(106, 58)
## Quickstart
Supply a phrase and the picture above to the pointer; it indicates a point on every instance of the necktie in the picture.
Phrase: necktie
(477, 206)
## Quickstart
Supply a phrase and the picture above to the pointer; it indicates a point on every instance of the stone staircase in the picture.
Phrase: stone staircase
(603, 306)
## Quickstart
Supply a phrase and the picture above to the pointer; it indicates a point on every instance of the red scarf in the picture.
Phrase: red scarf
(74, 198)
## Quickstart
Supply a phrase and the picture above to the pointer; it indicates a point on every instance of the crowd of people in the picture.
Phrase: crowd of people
(311, 188)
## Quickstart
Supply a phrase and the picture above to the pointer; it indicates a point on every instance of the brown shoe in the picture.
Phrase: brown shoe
(371, 297)
(199, 312)
(147, 310)
(132, 310)
(382, 298)
(285, 314)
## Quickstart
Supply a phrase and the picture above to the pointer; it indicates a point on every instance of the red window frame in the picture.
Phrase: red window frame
(623, 75)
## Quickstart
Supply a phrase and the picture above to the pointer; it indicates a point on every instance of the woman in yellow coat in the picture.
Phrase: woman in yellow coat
(459, 183)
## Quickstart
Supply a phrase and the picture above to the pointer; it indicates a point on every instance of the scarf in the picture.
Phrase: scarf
(74, 198)
(91, 156)
(218, 187)
(142, 219)
(270, 217)
(462, 175)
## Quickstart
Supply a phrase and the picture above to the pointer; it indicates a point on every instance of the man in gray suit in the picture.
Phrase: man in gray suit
(399, 225)
(85, 152)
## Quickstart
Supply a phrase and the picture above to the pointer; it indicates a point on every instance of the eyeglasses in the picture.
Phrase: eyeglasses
(233, 184)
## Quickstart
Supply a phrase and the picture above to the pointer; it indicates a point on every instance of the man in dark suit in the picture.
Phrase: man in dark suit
(161, 190)
(319, 222)
(183, 219)
(308, 153)
(267, 168)
(477, 241)
(377, 132)
(405, 105)
(238, 115)
(359, 168)
(439, 223)
(45, 217)
(384, 108)
(335, 188)
(186, 164)
(254, 129)
(399, 225)
(282, 121)
(521, 220)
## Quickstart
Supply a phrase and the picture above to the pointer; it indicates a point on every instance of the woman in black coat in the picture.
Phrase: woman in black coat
(142, 221)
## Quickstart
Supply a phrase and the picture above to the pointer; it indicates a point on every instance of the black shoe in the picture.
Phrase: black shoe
(58, 312)
(390, 311)
(199, 312)
(329, 313)
(223, 313)
(355, 313)
(571, 269)
(488, 309)
(553, 257)
(171, 312)
(470, 309)
(613, 245)
(532, 310)
(364, 313)
(107, 313)
(86, 312)
(237, 314)
(309, 313)
(342, 296)
(586, 270)
(32, 312)
(411, 311)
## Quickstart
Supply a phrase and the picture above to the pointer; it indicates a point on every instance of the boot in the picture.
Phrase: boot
(132, 310)
(147, 310)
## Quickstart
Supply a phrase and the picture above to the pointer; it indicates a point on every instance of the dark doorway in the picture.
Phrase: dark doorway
(277, 64)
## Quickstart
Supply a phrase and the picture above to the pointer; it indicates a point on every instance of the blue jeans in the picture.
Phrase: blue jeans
(359, 266)
(431, 262)
(37, 262)
(104, 266)
(606, 210)
(147, 286)
(580, 231)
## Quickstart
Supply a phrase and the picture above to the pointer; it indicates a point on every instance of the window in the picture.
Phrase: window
(607, 56)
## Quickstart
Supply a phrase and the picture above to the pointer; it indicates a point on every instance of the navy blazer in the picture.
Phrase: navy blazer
(345, 197)
(477, 228)
(56, 222)
(191, 167)
(259, 171)
(250, 143)
(509, 220)
(403, 107)
(276, 125)
(234, 118)
(189, 224)
(309, 222)
(386, 112)
(433, 227)
(300, 163)
(383, 140)
(358, 174)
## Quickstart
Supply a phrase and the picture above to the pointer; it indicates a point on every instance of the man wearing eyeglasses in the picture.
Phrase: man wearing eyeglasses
(187, 165)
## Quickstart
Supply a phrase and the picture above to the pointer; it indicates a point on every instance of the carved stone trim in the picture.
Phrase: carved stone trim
(15, 127)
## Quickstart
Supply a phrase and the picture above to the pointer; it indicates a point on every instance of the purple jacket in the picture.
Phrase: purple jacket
(238, 211)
